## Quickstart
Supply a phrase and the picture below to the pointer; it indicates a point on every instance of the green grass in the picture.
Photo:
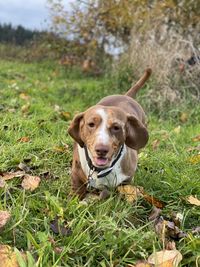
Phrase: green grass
(106, 233)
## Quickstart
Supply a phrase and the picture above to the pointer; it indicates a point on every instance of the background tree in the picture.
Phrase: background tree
(101, 23)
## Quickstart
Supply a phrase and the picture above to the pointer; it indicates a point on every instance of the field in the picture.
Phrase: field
(37, 102)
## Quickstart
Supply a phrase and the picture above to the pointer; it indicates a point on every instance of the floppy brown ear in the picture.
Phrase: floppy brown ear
(136, 133)
(74, 129)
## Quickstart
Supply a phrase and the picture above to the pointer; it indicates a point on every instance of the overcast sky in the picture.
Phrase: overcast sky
(32, 14)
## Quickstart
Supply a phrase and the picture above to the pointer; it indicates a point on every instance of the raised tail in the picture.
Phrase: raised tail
(135, 88)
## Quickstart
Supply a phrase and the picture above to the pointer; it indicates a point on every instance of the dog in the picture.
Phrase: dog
(107, 139)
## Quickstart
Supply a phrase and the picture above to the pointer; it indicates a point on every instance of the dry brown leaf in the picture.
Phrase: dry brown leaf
(165, 258)
(170, 245)
(155, 213)
(8, 257)
(10, 175)
(4, 218)
(24, 139)
(2, 182)
(155, 144)
(196, 138)
(193, 200)
(184, 117)
(168, 229)
(30, 182)
(192, 148)
(130, 192)
(152, 200)
(194, 159)
(24, 96)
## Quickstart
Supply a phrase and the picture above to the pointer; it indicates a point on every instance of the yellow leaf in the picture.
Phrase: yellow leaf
(196, 138)
(193, 200)
(24, 96)
(4, 218)
(25, 108)
(177, 129)
(30, 182)
(165, 258)
(130, 192)
(183, 117)
(65, 115)
(194, 159)
(8, 257)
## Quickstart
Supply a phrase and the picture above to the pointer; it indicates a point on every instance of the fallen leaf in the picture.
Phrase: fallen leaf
(193, 200)
(155, 213)
(59, 227)
(8, 257)
(56, 108)
(10, 175)
(177, 218)
(165, 258)
(130, 192)
(25, 108)
(60, 149)
(196, 138)
(177, 129)
(4, 218)
(30, 182)
(152, 200)
(24, 139)
(194, 159)
(167, 229)
(65, 115)
(196, 230)
(141, 264)
(184, 117)
(24, 96)
(2, 182)
(192, 148)
(155, 144)
(170, 245)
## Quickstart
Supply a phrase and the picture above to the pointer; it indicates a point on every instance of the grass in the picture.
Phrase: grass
(107, 233)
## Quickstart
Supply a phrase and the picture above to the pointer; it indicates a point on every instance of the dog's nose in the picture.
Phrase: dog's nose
(101, 150)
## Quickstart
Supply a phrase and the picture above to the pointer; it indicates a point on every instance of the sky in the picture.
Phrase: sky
(31, 14)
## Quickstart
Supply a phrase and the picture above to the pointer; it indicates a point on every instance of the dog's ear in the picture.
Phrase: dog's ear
(74, 129)
(136, 133)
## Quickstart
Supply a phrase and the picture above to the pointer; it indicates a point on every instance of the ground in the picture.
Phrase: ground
(37, 103)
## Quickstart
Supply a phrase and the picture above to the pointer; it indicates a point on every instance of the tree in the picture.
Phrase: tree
(99, 23)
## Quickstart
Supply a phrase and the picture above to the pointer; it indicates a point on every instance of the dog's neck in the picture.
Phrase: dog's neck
(114, 178)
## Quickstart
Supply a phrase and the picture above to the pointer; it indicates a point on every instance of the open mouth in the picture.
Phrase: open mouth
(100, 161)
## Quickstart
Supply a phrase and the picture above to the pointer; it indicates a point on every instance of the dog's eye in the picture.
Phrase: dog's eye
(116, 128)
(91, 124)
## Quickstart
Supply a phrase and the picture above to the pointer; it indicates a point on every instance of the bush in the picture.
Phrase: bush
(173, 82)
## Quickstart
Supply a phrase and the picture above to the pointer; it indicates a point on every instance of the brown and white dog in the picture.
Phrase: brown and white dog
(108, 137)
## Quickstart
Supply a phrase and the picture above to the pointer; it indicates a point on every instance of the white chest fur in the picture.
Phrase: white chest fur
(112, 180)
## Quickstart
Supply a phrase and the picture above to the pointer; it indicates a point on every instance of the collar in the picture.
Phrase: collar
(102, 172)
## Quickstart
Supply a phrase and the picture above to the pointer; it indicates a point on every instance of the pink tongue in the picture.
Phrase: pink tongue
(101, 161)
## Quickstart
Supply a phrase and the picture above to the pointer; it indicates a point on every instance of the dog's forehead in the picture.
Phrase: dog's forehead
(106, 114)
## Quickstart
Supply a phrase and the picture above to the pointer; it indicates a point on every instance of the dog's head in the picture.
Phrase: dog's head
(103, 130)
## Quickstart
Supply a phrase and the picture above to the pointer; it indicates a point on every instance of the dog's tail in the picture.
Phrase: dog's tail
(135, 88)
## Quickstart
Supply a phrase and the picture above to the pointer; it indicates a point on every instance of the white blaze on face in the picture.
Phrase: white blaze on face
(102, 132)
